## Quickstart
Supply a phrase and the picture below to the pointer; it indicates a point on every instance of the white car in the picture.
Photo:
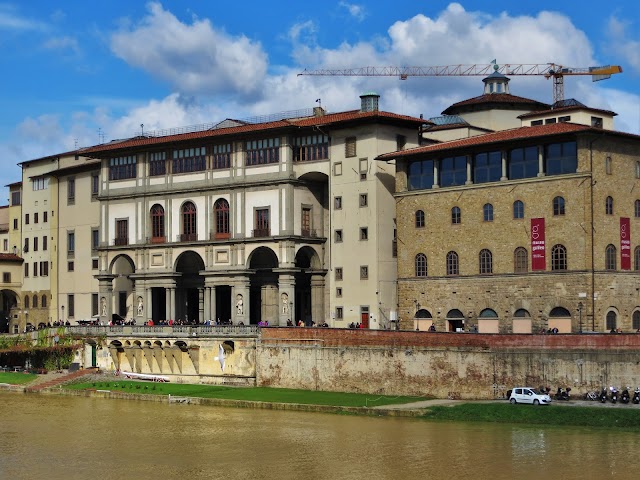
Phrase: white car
(529, 395)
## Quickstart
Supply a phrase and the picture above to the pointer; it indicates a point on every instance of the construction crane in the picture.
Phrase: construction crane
(547, 70)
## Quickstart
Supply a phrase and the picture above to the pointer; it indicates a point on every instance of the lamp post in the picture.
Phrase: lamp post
(62, 308)
(580, 315)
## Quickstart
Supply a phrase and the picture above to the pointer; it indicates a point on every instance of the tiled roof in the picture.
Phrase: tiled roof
(10, 257)
(453, 126)
(494, 98)
(323, 120)
(499, 137)
(51, 157)
(572, 108)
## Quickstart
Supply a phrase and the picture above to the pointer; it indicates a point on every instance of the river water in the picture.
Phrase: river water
(51, 437)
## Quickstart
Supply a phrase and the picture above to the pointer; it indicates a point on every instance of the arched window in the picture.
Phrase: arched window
(455, 215)
(221, 212)
(610, 258)
(453, 267)
(636, 259)
(558, 206)
(487, 212)
(189, 227)
(486, 262)
(636, 208)
(157, 224)
(419, 219)
(518, 209)
(558, 257)
(521, 313)
(421, 265)
(635, 321)
(44, 301)
(488, 313)
(35, 301)
(520, 260)
(612, 320)
(26, 301)
(608, 206)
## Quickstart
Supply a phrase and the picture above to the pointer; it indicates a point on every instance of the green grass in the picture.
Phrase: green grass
(627, 416)
(15, 378)
(255, 394)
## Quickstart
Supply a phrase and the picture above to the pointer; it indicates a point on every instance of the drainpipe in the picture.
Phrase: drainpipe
(593, 273)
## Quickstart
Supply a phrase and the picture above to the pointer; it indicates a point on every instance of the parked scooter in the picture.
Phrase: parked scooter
(636, 396)
(614, 394)
(624, 396)
(603, 396)
(562, 394)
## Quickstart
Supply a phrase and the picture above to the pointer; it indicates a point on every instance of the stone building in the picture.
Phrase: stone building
(519, 230)
(281, 219)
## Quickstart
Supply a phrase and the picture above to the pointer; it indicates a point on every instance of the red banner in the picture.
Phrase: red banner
(538, 259)
(625, 244)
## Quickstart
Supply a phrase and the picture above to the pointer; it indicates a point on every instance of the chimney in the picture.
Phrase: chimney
(369, 102)
(318, 111)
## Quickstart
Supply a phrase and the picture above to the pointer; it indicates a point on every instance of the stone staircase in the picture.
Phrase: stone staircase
(48, 381)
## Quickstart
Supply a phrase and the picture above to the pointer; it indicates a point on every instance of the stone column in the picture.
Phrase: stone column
(105, 287)
(148, 315)
(469, 180)
(240, 308)
(207, 303)
(200, 305)
(504, 165)
(212, 304)
(167, 301)
(270, 304)
(317, 298)
(541, 161)
(435, 174)
(286, 297)
(172, 297)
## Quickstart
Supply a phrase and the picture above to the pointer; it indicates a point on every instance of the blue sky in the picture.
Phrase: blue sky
(75, 72)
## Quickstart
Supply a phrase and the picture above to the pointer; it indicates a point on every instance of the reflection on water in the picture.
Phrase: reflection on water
(68, 437)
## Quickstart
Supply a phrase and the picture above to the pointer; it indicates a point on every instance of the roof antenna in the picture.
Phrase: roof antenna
(142, 129)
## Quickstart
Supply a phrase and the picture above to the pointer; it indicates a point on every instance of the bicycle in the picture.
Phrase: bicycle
(593, 396)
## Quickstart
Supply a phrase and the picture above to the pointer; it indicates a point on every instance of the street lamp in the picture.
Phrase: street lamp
(62, 308)
(580, 315)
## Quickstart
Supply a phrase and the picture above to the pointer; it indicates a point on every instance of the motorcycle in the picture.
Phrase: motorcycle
(562, 394)
(624, 396)
(636, 396)
(614, 395)
(603, 396)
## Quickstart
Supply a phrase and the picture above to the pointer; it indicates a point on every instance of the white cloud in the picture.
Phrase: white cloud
(193, 58)
(356, 11)
(11, 20)
(620, 43)
(65, 43)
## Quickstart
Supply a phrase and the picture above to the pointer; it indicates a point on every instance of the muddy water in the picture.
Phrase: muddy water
(48, 437)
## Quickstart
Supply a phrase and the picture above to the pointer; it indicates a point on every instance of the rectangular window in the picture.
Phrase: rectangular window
(44, 269)
(337, 169)
(310, 147)
(122, 232)
(453, 171)
(364, 200)
(338, 313)
(94, 263)
(596, 122)
(561, 158)
(188, 160)
(261, 223)
(5, 244)
(35, 244)
(71, 191)
(35, 217)
(26, 219)
(337, 203)
(350, 147)
(338, 273)
(262, 152)
(157, 163)
(339, 292)
(35, 269)
(535, 123)
(95, 185)
(306, 222)
(15, 198)
(338, 236)
(26, 245)
(71, 305)
(95, 238)
(44, 242)
(45, 217)
(523, 163)
(94, 304)
(550, 120)
(6, 277)
(121, 168)
(70, 266)
(364, 233)
(487, 167)
(71, 242)
(364, 272)
(221, 156)
(40, 183)
(566, 118)
(15, 223)
(26, 269)
(364, 168)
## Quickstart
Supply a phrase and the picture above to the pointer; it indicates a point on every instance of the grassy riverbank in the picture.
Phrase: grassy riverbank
(254, 394)
(623, 416)
(16, 378)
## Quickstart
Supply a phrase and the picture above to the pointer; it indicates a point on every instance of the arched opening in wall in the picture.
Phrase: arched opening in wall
(228, 346)
(306, 261)
(122, 266)
(560, 318)
(522, 321)
(455, 320)
(611, 321)
(263, 291)
(488, 321)
(117, 350)
(8, 308)
(423, 320)
(189, 287)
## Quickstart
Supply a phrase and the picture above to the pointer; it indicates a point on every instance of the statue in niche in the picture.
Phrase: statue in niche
(103, 303)
(239, 305)
(285, 303)
(140, 306)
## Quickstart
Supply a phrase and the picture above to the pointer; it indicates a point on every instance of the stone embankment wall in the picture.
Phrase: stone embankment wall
(456, 365)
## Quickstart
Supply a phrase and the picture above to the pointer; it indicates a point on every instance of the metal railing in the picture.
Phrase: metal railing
(119, 241)
(261, 232)
(165, 330)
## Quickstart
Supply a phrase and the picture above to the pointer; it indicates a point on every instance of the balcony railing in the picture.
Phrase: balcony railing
(118, 241)
(158, 239)
(261, 232)
(219, 236)
(188, 237)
